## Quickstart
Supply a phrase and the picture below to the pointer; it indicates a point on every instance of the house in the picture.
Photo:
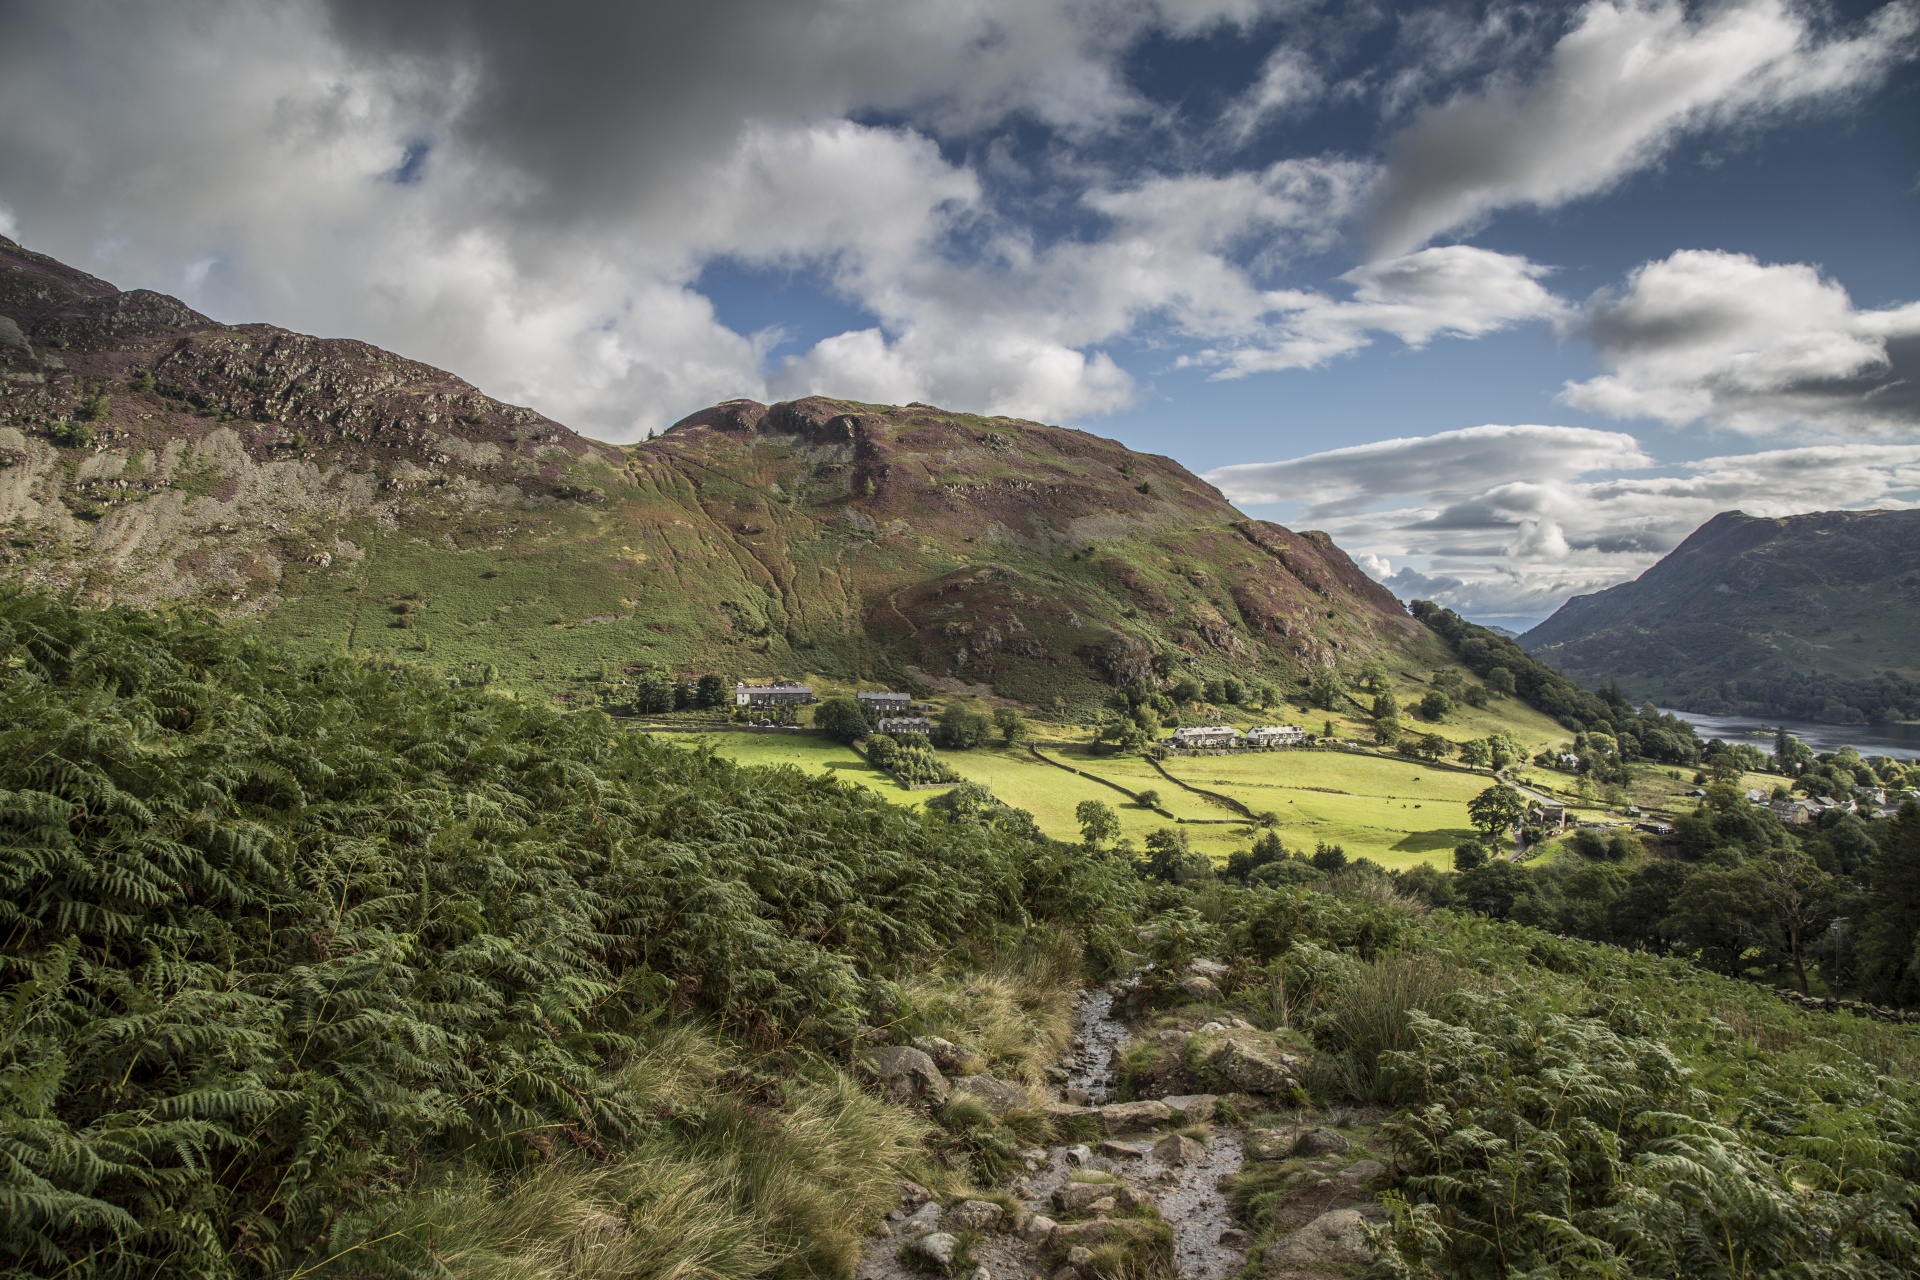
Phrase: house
(1205, 737)
(1568, 760)
(1276, 735)
(1654, 828)
(777, 694)
(881, 702)
(1875, 796)
(1795, 813)
(906, 724)
(1756, 796)
(1551, 816)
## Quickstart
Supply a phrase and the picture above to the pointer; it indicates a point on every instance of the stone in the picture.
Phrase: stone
(1362, 1171)
(1199, 988)
(909, 1075)
(1339, 1235)
(1192, 1108)
(1126, 1117)
(980, 1273)
(937, 1248)
(1077, 1097)
(1320, 1141)
(973, 1215)
(1122, 1150)
(1067, 1273)
(1065, 1111)
(1253, 1068)
(884, 1231)
(1209, 1029)
(1269, 1144)
(1100, 1231)
(1209, 969)
(1037, 1229)
(1078, 1197)
(1059, 1075)
(912, 1194)
(1233, 1238)
(999, 1096)
(1105, 1204)
(1176, 1150)
(1079, 1256)
(924, 1222)
(946, 1055)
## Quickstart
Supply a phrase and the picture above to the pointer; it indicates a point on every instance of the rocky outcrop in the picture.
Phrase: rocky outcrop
(997, 1095)
(1339, 1235)
(908, 1076)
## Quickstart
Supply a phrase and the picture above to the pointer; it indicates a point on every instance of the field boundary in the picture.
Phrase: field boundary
(1229, 801)
(1094, 777)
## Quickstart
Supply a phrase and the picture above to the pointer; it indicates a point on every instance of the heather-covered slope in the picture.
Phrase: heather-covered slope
(1803, 616)
(347, 498)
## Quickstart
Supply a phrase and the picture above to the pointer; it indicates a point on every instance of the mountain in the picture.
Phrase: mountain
(346, 498)
(1806, 616)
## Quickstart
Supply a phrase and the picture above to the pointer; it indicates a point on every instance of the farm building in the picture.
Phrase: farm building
(777, 694)
(1276, 735)
(883, 702)
(1205, 737)
(906, 724)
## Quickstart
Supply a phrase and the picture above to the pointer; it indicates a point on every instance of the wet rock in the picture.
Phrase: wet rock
(1339, 1235)
(1362, 1172)
(1320, 1141)
(1059, 1075)
(1037, 1229)
(1199, 988)
(909, 1075)
(1065, 1111)
(999, 1096)
(1269, 1144)
(1192, 1108)
(1125, 1117)
(1077, 1097)
(974, 1215)
(1176, 1150)
(937, 1248)
(1254, 1068)
(1122, 1150)
(1080, 1155)
(1233, 1238)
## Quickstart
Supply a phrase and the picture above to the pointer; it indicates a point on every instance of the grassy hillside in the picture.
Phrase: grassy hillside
(348, 501)
(1806, 616)
(330, 969)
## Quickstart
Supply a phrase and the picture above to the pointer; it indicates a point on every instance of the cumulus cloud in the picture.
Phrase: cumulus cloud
(1723, 338)
(1617, 91)
(1451, 290)
(1516, 518)
(1288, 82)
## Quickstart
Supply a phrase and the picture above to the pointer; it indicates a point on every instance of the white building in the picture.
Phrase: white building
(778, 694)
(1276, 735)
(1205, 737)
(906, 724)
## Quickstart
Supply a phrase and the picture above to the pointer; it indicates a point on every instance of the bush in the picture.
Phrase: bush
(843, 719)
(962, 727)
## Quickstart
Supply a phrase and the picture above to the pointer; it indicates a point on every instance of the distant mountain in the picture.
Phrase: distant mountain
(345, 497)
(1814, 616)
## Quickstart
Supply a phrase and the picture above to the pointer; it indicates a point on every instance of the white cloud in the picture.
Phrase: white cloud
(1618, 90)
(1510, 521)
(1723, 338)
(1288, 81)
(1450, 290)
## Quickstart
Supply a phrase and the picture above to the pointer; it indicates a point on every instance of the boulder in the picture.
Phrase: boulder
(1078, 1155)
(1196, 987)
(1192, 1108)
(1209, 969)
(1092, 1235)
(999, 1096)
(909, 1075)
(1339, 1235)
(1076, 1097)
(924, 1221)
(1320, 1141)
(1361, 1172)
(937, 1248)
(1269, 1144)
(973, 1215)
(1253, 1068)
(980, 1273)
(1065, 1111)
(1037, 1229)
(1078, 1197)
(912, 1194)
(1128, 1117)
(1233, 1238)
(1123, 1150)
(1176, 1150)
(946, 1055)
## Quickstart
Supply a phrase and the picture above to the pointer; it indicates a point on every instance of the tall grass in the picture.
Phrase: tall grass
(1014, 1014)
(1368, 1015)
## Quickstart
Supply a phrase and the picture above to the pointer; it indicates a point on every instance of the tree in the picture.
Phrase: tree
(1186, 689)
(1433, 746)
(1496, 810)
(1500, 680)
(1012, 728)
(1491, 888)
(1386, 732)
(1469, 854)
(1329, 857)
(962, 727)
(1802, 897)
(1327, 690)
(1373, 676)
(843, 719)
(1166, 855)
(1436, 706)
(1722, 914)
(1148, 799)
(1233, 691)
(1891, 930)
(713, 690)
(1386, 706)
(1098, 822)
(1476, 754)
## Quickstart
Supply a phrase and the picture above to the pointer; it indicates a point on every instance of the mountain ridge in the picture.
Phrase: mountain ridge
(1796, 616)
(344, 497)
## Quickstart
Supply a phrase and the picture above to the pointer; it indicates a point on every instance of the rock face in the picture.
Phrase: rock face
(1336, 1236)
(909, 1075)
(999, 1096)
(1254, 1069)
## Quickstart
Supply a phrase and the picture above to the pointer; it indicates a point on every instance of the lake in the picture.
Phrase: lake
(1901, 741)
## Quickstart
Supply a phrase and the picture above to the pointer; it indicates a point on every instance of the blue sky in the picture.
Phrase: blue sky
(1508, 298)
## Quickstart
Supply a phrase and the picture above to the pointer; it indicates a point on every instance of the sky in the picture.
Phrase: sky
(1507, 297)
